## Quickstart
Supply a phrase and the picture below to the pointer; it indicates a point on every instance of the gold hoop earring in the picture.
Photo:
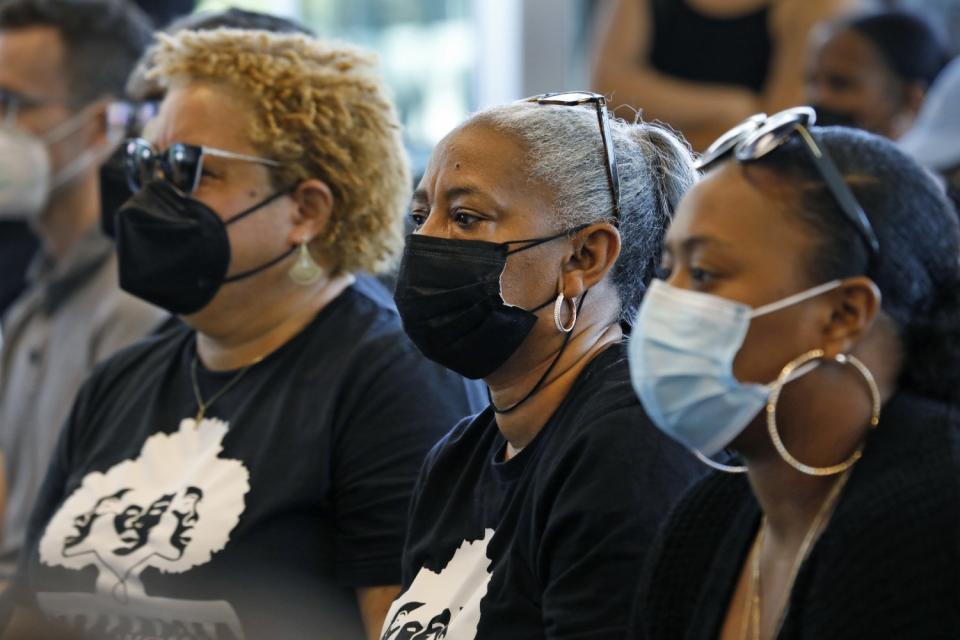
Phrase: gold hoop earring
(305, 271)
(774, 397)
(557, 307)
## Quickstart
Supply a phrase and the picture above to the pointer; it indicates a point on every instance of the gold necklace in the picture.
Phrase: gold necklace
(752, 616)
(202, 405)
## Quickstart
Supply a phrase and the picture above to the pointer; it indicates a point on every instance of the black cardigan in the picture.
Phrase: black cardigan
(886, 566)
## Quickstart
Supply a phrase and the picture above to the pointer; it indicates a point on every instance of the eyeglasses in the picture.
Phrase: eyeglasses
(758, 135)
(576, 98)
(11, 102)
(181, 164)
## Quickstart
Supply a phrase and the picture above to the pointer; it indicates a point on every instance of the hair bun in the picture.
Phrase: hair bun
(932, 344)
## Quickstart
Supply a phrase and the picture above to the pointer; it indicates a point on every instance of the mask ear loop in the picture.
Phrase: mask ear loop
(543, 378)
(536, 242)
(243, 214)
(719, 466)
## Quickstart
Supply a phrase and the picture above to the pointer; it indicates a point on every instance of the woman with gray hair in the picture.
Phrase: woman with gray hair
(539, 225)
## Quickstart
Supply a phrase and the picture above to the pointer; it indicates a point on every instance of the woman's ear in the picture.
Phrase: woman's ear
(855, 307)
(594, 251)
(314, 200)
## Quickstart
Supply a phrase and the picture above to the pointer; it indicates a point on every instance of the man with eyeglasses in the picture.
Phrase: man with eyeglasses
(61, 64)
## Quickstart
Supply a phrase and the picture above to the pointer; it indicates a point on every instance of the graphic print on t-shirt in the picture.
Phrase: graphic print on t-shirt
(172, 508)
(444, 604)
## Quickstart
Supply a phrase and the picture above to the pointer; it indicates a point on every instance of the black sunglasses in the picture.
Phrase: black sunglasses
(576, 98)
(181, 164)
(758, 135)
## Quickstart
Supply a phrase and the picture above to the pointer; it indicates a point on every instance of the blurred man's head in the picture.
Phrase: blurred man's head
(61, 62)
(165, 12)
(141, 88)
(873, 71)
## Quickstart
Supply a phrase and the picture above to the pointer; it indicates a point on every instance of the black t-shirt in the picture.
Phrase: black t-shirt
(543, 545)
(259, 521)
(887, 565)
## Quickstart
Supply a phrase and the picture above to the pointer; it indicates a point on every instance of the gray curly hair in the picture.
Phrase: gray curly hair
(565, 151)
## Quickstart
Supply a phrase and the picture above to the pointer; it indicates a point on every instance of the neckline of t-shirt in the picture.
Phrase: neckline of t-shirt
(345, 296)
(512, 469)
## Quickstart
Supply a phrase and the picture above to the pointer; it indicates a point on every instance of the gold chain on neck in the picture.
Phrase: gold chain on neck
(203, 405)
(752, 606)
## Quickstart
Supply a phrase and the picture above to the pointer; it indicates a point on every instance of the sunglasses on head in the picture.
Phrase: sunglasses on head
(180, 164)
(577, 98)
(759, 135)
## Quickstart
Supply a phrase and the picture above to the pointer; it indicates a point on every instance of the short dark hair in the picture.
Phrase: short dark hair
(234, 18)
(165, 12)
(918, 268)
(103, 39)
(141, 88)
(908, 44)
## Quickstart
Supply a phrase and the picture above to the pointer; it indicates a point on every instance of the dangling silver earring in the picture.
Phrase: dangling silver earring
(305, 271)
(557, 308)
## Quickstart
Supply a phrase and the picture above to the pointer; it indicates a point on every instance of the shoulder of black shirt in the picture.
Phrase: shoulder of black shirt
(898, 515)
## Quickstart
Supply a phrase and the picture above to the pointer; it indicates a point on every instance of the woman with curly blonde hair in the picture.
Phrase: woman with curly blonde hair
(244, 470)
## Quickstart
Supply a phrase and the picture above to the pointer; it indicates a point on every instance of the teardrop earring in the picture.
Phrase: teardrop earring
(305, 271)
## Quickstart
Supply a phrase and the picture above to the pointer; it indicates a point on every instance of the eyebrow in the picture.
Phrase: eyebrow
(697, 241)
(420, 195)
(693, 242)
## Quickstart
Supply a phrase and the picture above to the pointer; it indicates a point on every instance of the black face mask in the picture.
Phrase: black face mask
(174, 251)
(830, 118)
(448, 296)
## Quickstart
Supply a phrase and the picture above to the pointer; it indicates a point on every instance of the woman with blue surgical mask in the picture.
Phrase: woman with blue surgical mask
(810, 326)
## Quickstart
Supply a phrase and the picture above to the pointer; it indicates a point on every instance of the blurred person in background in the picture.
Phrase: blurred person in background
(163, 13)
(141, 88)
(934, 141)
(249, 469)
(113, 184)
(18, 245)
(62, 63)
(704, 65)
(943, 14)
(873, 71)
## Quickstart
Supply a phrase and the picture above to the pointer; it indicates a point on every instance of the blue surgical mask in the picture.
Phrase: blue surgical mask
(681, 355)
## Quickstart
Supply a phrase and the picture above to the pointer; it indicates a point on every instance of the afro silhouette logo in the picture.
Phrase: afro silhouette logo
(438, 605)
(172, 508)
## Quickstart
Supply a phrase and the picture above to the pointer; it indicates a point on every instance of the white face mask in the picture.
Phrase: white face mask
(26, 174)
(681, 356)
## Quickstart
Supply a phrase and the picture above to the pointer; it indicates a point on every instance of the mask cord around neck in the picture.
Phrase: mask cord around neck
(250, 272)
(537, 387)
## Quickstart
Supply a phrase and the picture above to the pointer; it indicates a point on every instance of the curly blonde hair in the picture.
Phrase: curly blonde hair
(322, 110)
